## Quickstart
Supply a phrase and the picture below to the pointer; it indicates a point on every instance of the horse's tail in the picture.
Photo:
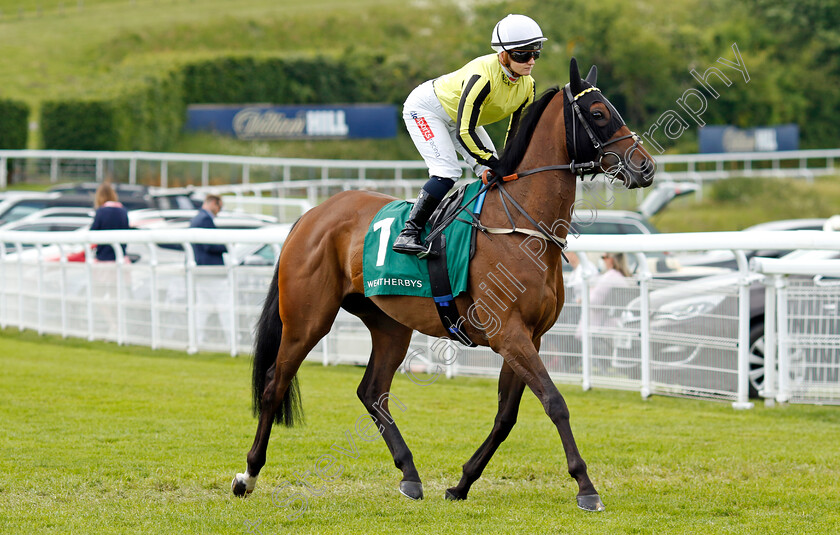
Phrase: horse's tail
(267, 337)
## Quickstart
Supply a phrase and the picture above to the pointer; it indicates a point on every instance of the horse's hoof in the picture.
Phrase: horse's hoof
(411, 489)
(592, 502)
(239, 486)
(454, 495)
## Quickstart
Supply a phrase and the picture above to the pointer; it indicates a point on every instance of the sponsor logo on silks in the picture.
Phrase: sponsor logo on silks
(385, 281)
(424, 128)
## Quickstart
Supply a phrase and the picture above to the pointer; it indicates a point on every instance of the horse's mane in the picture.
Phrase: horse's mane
(519, 140)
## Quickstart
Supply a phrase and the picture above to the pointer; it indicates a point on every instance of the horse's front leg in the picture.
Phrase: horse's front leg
(510, 394)
(521, 355)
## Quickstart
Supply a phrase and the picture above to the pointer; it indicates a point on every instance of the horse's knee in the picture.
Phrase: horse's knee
(556, 408)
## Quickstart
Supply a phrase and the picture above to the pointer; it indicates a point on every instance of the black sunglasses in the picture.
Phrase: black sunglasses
(523, 56)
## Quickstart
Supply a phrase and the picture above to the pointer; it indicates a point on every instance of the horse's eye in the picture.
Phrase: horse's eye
(597, 115)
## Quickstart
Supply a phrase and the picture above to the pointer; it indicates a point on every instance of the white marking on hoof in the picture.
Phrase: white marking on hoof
(244, 479)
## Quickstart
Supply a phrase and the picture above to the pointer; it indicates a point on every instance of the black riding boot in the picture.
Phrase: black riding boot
(408, 242)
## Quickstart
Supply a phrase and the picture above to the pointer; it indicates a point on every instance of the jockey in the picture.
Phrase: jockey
(446, 116)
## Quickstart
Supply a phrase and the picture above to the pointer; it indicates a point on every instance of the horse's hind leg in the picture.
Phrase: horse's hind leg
(390, 343)
(510, 394)
(300, 333)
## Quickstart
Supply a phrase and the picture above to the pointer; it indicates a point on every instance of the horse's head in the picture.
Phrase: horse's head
(596, 132)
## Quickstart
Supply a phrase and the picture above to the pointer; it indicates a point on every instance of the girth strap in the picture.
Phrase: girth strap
(442, 293)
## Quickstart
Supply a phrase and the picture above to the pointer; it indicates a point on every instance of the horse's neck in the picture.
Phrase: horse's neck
(548, 196)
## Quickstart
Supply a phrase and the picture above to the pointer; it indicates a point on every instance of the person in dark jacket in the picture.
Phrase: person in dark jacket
(208, 254)
(212, 294)
(110, 215)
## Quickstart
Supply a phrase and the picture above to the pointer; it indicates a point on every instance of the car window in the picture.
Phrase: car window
(599, 227)
(629, 228)
(37, 227)
(23, 209)
(183, 202)
(267, 252)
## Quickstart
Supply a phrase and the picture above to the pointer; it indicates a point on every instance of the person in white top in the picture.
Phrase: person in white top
(614, 277)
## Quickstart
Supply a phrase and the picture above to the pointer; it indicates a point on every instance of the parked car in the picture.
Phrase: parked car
(177, 218)
(690, 322)
(18, 204)
(50, 224)
(133, 197)
(180, 219)
(725, 258)
(60, 212)
(176, 198)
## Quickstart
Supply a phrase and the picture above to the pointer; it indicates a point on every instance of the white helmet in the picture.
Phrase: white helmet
(516, 31)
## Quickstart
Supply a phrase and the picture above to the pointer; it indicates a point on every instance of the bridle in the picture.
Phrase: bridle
(592, 167)
(577, 169)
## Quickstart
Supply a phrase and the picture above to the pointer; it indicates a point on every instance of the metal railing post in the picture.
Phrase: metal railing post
(20, 286)
(39, 312)
(192, 317)
(53, 170)
(585, 342)
(3, 309)
(62, 284)
(743, 393)
(154, 307)
(234, 317)
(783, 395)
(89, 272)
(644, 323)
(121, 319)
(770, 389)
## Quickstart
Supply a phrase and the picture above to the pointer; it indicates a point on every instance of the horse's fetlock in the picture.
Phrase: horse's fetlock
(577, 468)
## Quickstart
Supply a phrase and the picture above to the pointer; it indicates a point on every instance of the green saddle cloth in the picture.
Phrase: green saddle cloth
(390, 273)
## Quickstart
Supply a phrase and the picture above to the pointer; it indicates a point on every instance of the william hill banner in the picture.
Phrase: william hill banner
(761, 139)
(304, 122)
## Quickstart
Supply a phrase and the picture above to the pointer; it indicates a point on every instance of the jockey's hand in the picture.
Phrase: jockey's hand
(494, 171)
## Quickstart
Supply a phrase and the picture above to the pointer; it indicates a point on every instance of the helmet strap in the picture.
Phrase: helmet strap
(512, 76)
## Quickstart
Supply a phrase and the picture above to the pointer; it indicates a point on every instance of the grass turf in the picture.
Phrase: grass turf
(105, 439)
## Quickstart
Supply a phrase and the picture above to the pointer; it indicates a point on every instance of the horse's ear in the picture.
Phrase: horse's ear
(574, 77)
(592, 77)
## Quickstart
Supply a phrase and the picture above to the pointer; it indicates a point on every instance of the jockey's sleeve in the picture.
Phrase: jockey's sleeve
(473, 97)
(515, 116)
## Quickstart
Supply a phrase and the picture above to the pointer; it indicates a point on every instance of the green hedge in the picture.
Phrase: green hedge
(229, 80)
(148, 116)
(14, 124)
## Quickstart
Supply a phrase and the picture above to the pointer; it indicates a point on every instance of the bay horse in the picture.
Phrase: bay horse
(320, 270)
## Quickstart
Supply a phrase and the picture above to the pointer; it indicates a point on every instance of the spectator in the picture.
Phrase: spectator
(601, 293)
(208, 254)
(212, 292)
(110, 215)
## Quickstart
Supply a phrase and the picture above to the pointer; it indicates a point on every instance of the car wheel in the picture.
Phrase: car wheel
(756, 358)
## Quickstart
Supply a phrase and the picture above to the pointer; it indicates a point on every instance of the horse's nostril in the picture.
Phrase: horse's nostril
(648, 168)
